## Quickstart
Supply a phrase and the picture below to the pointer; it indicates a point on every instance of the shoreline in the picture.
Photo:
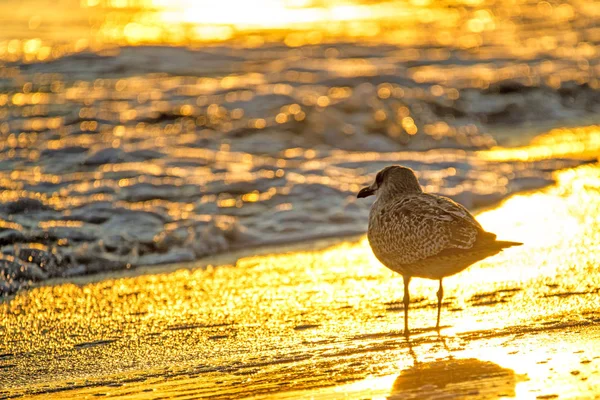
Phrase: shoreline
(230, 255)
(214, 260)
(198, 152)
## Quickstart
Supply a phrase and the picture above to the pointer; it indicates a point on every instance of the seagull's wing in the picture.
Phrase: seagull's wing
(455, 209)
(426, 225)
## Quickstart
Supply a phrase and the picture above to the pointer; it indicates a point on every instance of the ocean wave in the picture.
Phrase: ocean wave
(156, 155)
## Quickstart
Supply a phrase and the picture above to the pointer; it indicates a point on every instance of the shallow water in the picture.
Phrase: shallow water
(146, 132)
(523, 323)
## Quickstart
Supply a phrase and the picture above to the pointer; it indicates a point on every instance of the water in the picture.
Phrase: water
(116, 156)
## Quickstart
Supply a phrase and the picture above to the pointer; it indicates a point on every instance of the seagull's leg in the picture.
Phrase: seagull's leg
(406, 301)
(412, 353)
(445, 344)
(440, 296)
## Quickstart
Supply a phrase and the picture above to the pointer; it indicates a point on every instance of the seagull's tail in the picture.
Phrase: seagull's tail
(505, 244)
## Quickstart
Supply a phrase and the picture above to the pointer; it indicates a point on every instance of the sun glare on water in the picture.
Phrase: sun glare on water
(97, 25)
(256, 14)
(220, 21)
(203, 21)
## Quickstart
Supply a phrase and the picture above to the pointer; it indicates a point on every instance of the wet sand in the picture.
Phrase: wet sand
(327, 323)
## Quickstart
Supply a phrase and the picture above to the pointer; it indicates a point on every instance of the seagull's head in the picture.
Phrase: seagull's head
(394, 180)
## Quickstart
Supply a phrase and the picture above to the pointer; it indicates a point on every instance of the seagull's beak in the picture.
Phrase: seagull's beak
(365, 192)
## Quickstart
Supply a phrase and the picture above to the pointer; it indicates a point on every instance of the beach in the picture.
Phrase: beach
(327, 323)
(178, 211)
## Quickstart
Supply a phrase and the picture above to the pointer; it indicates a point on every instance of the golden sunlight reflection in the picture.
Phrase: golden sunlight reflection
(261, 13)
(207, 21)
(466, 25)
(573, 142)
(335, 313)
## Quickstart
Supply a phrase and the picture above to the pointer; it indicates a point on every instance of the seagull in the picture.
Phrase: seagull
(423, 235)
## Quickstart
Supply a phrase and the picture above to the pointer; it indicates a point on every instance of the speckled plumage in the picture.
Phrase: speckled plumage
(418, 234)
(427, 236)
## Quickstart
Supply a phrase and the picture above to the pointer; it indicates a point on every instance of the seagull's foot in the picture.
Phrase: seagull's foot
(442, 339)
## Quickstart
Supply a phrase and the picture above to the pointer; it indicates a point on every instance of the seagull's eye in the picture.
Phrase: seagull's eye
(379, 178)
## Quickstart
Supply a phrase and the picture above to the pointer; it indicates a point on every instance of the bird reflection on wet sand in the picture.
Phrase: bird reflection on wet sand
(467, 378)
